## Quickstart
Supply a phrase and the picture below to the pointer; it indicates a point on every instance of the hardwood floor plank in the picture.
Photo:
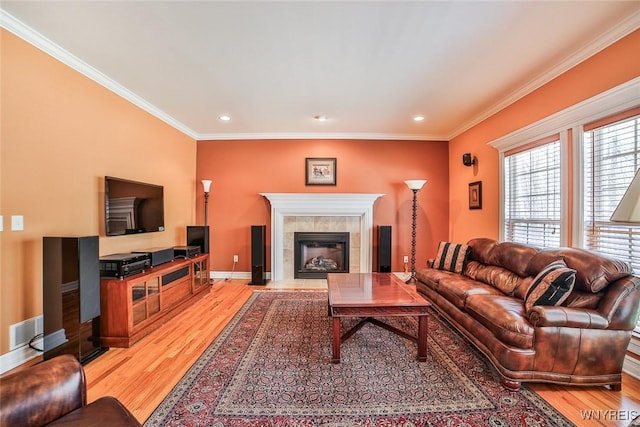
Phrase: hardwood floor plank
(141, 376)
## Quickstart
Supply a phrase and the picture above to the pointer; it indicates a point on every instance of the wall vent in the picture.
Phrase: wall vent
(21, 333)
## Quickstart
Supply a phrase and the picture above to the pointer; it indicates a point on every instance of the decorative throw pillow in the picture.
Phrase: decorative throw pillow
(551, 286)
(451, 257)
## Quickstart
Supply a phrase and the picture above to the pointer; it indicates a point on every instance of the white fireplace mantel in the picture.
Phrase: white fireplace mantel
(320, 204)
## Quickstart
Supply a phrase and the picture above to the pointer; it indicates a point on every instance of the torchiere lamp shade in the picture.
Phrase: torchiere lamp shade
(628, 210)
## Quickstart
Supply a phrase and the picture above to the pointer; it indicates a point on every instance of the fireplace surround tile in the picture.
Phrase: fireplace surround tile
(320, 224)
(353, 210)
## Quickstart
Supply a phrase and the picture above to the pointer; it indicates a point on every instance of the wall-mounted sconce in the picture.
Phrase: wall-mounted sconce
(467, 160)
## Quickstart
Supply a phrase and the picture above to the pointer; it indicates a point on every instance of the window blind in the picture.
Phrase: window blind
(532, 194)
(612, 157)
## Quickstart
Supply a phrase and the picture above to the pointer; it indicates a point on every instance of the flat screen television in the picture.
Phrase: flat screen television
(132, 207)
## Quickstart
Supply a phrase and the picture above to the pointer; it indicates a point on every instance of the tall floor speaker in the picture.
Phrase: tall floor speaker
(71, 297)
(384, 248)
(198, 235)
(258, 255)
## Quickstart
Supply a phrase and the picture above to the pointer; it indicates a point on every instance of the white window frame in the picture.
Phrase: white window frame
(564, 181)
(617, 99)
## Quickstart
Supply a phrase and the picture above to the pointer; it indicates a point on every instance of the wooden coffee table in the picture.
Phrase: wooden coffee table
(375, 294)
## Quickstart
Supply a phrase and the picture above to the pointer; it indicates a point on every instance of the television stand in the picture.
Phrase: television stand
(135, 306)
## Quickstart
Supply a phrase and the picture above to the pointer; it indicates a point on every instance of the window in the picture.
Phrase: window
(532, 195)
(611, 159)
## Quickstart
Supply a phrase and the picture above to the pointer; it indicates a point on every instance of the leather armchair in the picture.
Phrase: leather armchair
(54, 393)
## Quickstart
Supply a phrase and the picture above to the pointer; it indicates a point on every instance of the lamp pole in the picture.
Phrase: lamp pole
(206, 184)
(414, 185)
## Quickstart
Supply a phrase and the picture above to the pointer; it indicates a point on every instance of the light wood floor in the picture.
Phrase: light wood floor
(143, 375)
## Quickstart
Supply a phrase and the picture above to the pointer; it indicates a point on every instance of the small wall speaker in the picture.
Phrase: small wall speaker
(467, 160)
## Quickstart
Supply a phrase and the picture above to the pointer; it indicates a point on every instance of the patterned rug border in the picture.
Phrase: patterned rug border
(448, 416)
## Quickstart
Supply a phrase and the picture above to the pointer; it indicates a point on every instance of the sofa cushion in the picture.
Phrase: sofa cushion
(480, 249)
(577, 299)
(594, 271)
(551, 286)
(504, 316)
(451, 257)
(512, 256)
(498, 277)
(458, 288)
(432, 277)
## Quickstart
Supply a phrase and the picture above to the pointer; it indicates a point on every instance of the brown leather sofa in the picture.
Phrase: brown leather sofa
(54, 393)
(582, 341)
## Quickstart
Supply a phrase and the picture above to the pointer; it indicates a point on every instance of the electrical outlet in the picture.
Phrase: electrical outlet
(235, 258)
(406, 259)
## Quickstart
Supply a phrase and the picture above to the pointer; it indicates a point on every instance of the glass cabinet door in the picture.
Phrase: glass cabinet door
(139, 304)
(153, 295)
(145, 298)
(200, 274)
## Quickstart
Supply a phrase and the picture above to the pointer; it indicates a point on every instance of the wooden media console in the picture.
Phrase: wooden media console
(135, 306)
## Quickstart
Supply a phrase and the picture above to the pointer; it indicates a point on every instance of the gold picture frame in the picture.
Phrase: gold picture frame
(475, 195)
(320, 171)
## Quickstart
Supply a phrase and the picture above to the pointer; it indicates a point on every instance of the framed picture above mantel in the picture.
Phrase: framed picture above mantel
(320, 171)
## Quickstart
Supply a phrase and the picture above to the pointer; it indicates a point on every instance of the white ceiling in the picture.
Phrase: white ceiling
(368, 66)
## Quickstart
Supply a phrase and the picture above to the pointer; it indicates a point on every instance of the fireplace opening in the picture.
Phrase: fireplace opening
(319, 253)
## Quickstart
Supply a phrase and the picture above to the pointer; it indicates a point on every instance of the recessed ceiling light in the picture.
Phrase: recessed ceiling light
(418, 118)
(321, 118)
(224, 118)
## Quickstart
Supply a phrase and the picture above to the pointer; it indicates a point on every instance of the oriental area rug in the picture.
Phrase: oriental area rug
(271, 366)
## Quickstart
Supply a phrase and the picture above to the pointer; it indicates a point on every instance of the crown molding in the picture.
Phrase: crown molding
(319, 135)
(28, 34)
(36, 39)
(619, 98)
(599, 43)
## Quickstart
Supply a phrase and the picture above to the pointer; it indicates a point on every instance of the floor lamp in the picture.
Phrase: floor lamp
(206, 184)
(414, 185)
(628, 210)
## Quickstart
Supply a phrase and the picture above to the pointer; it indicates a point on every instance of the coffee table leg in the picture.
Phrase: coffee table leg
(422, 338)
(335, 340)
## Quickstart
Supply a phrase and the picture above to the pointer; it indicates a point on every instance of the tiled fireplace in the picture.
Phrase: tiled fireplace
(320, 252)
(320, 212)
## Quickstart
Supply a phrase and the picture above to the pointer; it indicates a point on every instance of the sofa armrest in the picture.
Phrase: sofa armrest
(42, 393)
(542, 315)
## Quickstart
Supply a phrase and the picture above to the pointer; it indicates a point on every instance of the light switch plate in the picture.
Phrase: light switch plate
(17, 222)
(1, 223)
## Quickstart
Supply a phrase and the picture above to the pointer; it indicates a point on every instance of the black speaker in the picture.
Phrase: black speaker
(198, 235)
(384, 248)
(467, 160)
(258, 255)
(71, 297)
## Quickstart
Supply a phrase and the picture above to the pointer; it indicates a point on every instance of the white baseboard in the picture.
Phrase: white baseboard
(19, 356)
(230, 274)
(632, 367)
(631, 364)
(247, 275)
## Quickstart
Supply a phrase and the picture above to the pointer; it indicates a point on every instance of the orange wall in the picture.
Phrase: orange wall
(61, 133)
(57, 129)
(242, 169)
(613, 66)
